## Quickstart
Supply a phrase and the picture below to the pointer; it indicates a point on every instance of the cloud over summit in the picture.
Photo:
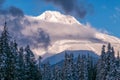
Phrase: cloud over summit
(79, 8)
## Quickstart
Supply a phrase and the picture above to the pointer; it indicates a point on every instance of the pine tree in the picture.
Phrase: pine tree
(21, 64)
(118, 60)
(101, 66)
(65, 67)
(79, 68)
(14, 51)
(8, 55)
(71, 67)
(90, 67)
(40, 67)
(114, 72)
(2, 61)
(68, 67)
(85, 68)
(118, 67)
(31, 69)
(14, 65)
(46, 73)
(39, 63)
(111, 75)
(82, 68)
(107, 68)
(56, 74)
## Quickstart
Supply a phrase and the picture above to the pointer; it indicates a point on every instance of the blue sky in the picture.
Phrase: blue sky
(106, 14)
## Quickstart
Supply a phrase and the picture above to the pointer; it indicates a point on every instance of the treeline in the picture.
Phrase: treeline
(20, 64)
(85, 68)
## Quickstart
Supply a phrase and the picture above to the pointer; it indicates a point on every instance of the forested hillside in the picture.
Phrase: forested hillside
(18, 63)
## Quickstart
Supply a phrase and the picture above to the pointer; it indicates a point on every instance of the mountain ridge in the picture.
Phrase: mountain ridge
(55, 16)
(48, 38)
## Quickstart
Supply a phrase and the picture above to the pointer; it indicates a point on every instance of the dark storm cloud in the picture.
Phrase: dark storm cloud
(43, 37)
(15, 11)
(12, 10)
(67, 5)
(78, 8)
(16, 22)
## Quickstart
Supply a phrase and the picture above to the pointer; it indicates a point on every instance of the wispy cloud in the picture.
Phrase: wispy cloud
(117, 9)
(116, 15)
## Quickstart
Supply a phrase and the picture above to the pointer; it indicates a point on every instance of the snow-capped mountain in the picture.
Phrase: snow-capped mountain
(54, 16)
(66, 33)
(53, 32)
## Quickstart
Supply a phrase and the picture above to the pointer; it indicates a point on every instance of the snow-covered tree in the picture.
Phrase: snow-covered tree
(31, 69)
(85, 69)
(56, 73)
(101, 66)
(14, 64)
(68, 67)
(79, 68)
(107, 67)
(2, 62)
(21, 64)
(7, 56)
(65, 67)
(111, 75)
(46, 73)
(90, 67)
(118, 67)
(14, 51)
(118, 60)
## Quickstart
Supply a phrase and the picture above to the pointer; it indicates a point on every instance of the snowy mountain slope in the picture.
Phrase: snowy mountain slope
(60, 56)
(53, 32)
(67, 36)
(54, 16)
